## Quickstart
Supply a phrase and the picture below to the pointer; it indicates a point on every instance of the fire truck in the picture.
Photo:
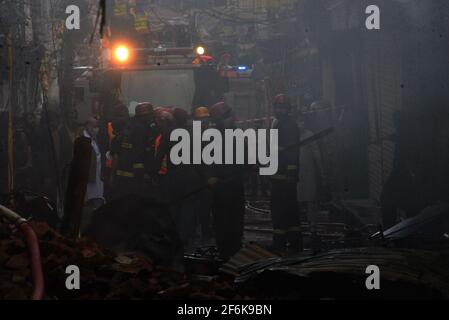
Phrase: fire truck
(148, 56)
(175, 77)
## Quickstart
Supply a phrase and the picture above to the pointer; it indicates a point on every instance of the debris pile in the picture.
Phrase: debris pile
(137, 224)
(103, 274)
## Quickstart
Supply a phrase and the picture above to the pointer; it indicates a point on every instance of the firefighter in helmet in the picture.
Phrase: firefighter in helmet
(284, 205)
(226, 184)
(181, 180)
(122, 180)
(159, 153)
(142, 137)
(108, 140)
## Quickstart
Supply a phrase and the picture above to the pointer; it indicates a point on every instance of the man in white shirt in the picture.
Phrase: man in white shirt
(95, 186)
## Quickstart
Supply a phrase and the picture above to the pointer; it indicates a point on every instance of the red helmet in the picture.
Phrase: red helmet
(161, 114)
(220, 110)
(169, 109)
(282, 100)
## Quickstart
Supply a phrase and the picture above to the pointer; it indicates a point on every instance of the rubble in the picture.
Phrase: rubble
(104, 274)
(137, 224)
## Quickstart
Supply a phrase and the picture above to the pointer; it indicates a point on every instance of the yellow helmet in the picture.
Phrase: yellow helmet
(201, 113)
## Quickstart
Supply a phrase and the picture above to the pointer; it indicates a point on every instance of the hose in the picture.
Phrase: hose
(33, 250)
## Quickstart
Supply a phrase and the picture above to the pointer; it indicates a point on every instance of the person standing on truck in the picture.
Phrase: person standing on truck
(284, 205)
(226, 183)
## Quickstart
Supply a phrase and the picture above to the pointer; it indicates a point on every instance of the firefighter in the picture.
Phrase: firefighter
(284, 205)
(123, 154)
(202, 114)
(164, 121)
(182, 179)
(142, 137)
(226, 183)
(160, 155)
(112, 129)
(120, 8)
(141, 21)
(180, 117)
(140, 17)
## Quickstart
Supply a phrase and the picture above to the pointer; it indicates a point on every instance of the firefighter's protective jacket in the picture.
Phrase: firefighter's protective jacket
(120, 8)
(122, 145)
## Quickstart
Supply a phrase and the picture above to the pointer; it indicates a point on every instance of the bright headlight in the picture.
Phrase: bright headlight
(121, 54)
(200, 50)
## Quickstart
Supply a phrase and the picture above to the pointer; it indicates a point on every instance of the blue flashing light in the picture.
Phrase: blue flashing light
(242, 68)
